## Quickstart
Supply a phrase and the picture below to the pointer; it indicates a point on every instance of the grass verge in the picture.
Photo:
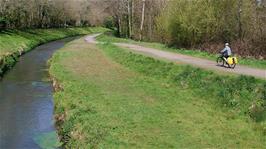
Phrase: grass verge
(197, 53)
(112, 98)
(14, 43)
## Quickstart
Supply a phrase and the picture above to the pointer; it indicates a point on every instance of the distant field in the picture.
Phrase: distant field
(111, 98)
(201, 54)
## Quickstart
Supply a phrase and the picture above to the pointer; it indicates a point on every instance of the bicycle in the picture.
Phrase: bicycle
(231, 61)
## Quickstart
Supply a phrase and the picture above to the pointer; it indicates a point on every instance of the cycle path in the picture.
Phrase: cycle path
(180, 58)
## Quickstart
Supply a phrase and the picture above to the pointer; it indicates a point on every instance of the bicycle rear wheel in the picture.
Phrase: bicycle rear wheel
(232, 65)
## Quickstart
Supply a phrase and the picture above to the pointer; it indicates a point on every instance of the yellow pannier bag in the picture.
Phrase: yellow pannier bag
(230, 60)
(235, 60)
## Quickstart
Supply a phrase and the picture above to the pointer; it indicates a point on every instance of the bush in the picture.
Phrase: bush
(192, 23)
(3, 23)
(109, 23)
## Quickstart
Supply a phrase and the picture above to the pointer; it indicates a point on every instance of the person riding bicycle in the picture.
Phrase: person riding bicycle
(226, 52)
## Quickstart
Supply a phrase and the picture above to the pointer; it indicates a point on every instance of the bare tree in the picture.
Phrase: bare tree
(240, 3)
(142, 19)
(129, 11)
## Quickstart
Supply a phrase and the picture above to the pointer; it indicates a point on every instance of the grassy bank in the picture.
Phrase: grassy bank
(111, 98)
(13, 43)
(197, 53)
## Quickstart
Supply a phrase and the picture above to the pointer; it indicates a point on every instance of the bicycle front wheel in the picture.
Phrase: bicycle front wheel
(220, 61)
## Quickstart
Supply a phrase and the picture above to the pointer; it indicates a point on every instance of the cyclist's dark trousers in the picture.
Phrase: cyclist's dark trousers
(225, 54)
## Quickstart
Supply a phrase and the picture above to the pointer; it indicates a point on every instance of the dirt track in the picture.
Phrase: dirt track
(199, 62)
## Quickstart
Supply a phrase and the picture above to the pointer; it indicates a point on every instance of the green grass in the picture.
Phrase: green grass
(15, 42)
(197, 53)
(111, 98)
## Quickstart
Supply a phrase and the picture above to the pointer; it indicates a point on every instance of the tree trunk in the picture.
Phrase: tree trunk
(129, 17)
(150, 22)
(142, 19)
(240, 2)
(132, 17)
(119, 26)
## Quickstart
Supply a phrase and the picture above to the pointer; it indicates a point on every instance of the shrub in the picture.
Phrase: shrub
(109, 23)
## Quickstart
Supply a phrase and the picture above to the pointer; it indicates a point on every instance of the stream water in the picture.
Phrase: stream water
(26, 102)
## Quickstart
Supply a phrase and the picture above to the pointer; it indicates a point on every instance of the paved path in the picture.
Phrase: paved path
(198, 62)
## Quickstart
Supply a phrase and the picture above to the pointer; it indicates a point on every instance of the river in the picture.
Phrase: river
(26, 100)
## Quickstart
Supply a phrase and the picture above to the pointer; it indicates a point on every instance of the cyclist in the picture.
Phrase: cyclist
(226, 52)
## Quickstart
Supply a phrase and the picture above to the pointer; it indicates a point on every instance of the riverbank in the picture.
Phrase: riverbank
(14, 43)
(111, 98)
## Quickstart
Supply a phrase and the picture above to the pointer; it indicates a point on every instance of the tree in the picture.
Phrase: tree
(142, 19)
